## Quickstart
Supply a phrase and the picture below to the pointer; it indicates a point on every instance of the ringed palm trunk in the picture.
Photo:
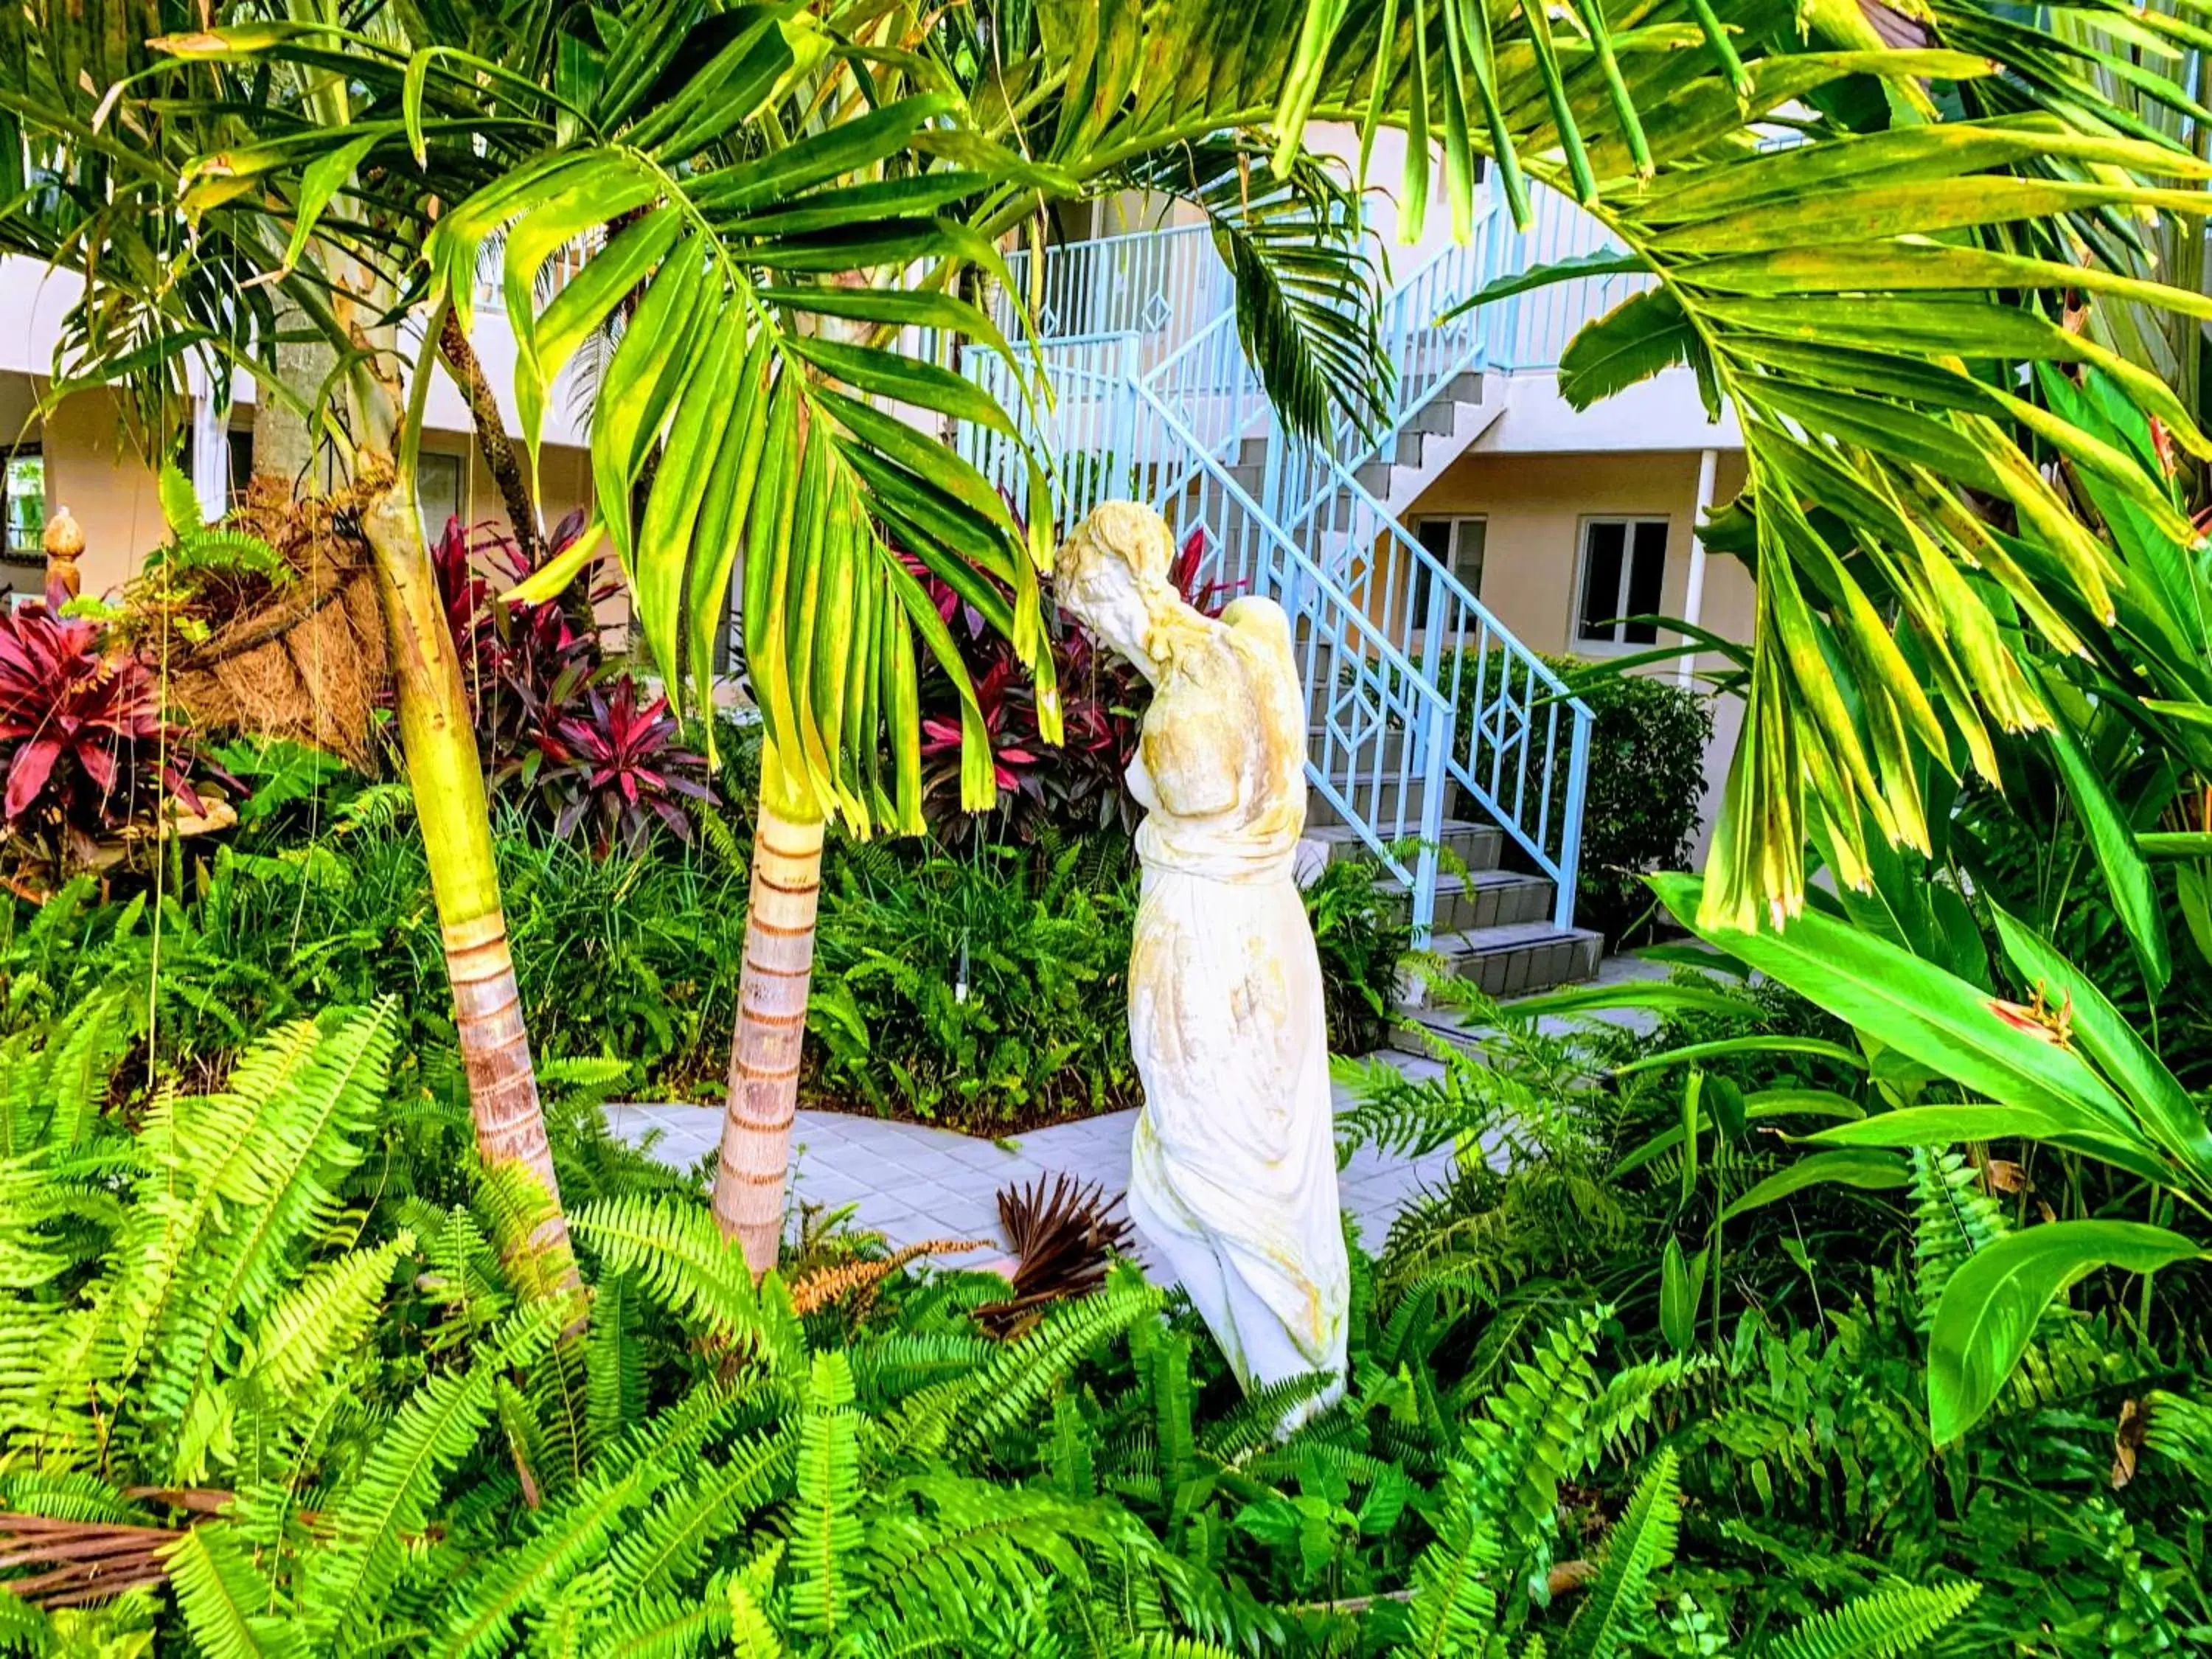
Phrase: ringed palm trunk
(439, 743)
(764, 1053)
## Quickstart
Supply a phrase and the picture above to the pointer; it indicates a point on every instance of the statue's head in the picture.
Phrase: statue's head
(1112, 573)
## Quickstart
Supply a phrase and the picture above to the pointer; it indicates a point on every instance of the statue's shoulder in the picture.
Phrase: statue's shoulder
(1259, 618)
(1256, 612)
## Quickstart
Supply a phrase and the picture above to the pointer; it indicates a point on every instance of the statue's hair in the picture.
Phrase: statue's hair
(1128, 533)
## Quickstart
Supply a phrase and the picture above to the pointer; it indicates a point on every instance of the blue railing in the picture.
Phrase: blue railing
(1416, 688)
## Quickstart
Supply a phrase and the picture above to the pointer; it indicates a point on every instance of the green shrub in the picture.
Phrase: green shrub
(1646, 783)
(983, 992)
(1362, 933)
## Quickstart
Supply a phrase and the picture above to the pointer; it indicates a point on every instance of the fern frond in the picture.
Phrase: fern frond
(1454, 1608)
(531, 1574)
(320, 1319)
(389, 1500)
(305, 1143)
(23, 1628)
(230, 1608)
(1617, 1603)
(1952, 1219)
(668, 1543)
(678, 1257)
(1250, 1425)
(750, 1633)
(666, 1627)
(1887, 1624)
(824, 1533)
(964, 1416)
(1529, 1436)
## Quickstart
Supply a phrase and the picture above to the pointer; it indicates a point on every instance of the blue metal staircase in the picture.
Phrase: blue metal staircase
(1436, 737)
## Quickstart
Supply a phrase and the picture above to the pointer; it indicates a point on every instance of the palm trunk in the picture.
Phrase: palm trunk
(764, 1055)
(442, 767)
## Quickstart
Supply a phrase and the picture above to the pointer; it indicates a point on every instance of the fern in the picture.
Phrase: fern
(1453, 1607)
(389, 1501)
(824, 1531)
(1617, 1603)
(678, 1256)
(1887, 1624)
(231, 1610)
(23, 1628)
(530, 1574)
(1951, 1219)
(964, 1416)
(669, 1543)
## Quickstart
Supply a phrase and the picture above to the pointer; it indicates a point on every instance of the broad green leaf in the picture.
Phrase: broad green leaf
(1865, 1168)
(2162, 1106)
(1642, 336)
(1895, 998)
(1995, 1300)
(1598, 262)
(1681, 1289)
(2112, 840)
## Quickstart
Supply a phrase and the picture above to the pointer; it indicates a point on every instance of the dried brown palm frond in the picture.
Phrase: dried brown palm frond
(824, 1285)
(1062, 1239)
(80, 1562)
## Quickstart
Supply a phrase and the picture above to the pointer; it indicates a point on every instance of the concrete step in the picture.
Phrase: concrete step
(1384, 753)
(1466, 388)
(1387, 805)
(1482, 900)
(1477, 845)
(1436, 419)
(1506, 961)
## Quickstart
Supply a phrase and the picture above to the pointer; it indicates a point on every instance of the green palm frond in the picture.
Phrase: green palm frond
(1304, 284)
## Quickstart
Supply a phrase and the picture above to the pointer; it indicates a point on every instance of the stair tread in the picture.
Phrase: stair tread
(1448, 827)
(1478, 879)
(1509, 936)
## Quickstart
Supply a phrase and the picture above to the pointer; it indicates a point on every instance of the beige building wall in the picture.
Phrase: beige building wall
(1535, 506)
(93, 471)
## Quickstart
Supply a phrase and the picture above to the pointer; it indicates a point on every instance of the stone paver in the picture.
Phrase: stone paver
(912, 1183)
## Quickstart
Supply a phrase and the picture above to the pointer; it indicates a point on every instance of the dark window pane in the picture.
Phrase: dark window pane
(1602, 547)
(1466, 553)
(1647, 572)
(1436, 537)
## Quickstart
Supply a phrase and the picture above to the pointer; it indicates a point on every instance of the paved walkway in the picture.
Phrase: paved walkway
(912, 1183)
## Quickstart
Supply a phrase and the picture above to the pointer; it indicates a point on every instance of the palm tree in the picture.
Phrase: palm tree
(163, 203)
(771, 195)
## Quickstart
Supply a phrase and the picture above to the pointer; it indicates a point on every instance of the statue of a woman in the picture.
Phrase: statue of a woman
(1233, 1170)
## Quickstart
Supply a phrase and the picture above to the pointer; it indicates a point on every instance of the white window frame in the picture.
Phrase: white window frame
(1576, 643)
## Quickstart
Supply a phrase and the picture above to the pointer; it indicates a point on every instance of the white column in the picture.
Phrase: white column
(1694, 593)
(210, 449)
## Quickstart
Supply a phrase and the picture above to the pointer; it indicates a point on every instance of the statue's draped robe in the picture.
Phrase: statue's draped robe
(1233, 1174)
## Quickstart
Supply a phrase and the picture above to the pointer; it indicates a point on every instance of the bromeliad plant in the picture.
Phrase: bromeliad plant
(87, 750)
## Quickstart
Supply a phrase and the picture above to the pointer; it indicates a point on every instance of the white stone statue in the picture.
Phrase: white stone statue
(1233, 1171)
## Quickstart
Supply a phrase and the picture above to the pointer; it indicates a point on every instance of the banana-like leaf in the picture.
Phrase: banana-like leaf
(1991, 1305)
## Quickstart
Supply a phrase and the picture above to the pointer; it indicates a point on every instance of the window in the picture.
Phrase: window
(23, 510)
(438, 486)
(1623, 564)
(1457, 545)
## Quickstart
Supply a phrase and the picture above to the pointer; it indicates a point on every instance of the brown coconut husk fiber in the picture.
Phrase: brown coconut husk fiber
(306, 660)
